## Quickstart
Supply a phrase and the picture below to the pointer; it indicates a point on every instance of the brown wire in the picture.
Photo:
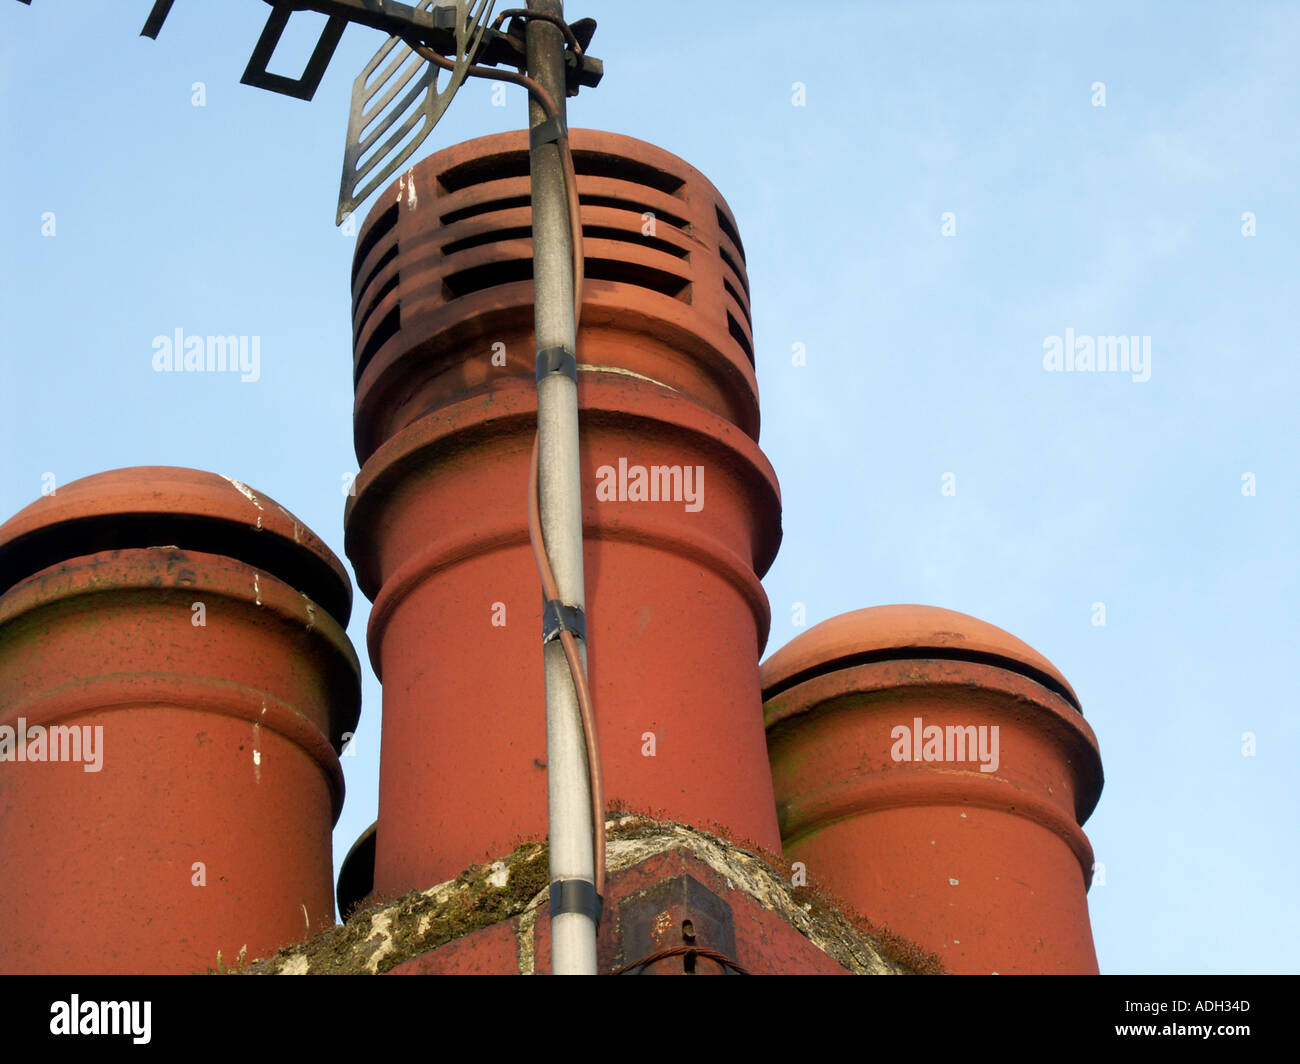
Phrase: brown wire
(552, 593)
(535, 536)
(678, 951)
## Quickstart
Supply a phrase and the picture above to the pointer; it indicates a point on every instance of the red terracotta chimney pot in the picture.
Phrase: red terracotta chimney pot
(934, 771)
(196, 627)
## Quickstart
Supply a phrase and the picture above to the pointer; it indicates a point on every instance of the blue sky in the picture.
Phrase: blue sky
(924, 351)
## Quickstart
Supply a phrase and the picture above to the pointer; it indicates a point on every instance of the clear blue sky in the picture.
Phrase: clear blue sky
(924, 351)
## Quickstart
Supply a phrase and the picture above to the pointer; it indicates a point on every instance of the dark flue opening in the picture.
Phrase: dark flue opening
(492, 236)
(387, 257)
(624, 204)
(731, 288)
(593, 232)
(738, 334)
(624, 272)
(740, 274)
(373, 236)
(510, 164)
(605, 232)
(473, 210)
(977, 657)
(295, 565)
(724, 223)
(489, 275)
(476, 171)
(378, 298)
(620, 167)
(383, 332)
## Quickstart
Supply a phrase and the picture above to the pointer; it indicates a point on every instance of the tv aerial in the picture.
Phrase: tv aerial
(396, 99)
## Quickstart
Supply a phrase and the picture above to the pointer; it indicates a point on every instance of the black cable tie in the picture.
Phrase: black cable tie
(557, 618)
(576, 896)
(547, 132)
(557, 360)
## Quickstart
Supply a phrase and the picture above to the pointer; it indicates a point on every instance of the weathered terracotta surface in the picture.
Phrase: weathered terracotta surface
(676, 619)
(494, 918)
(207, 824)
(987, 869)
(442, 281)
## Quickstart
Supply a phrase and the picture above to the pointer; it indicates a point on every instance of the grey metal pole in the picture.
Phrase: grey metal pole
(572, 857)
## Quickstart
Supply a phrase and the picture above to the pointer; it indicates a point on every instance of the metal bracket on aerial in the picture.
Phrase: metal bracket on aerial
(547, 133)
(557, 618)
(557, 360)
(576, 896)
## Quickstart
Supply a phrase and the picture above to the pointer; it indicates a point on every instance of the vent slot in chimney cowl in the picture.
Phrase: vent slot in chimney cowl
(442, 281)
